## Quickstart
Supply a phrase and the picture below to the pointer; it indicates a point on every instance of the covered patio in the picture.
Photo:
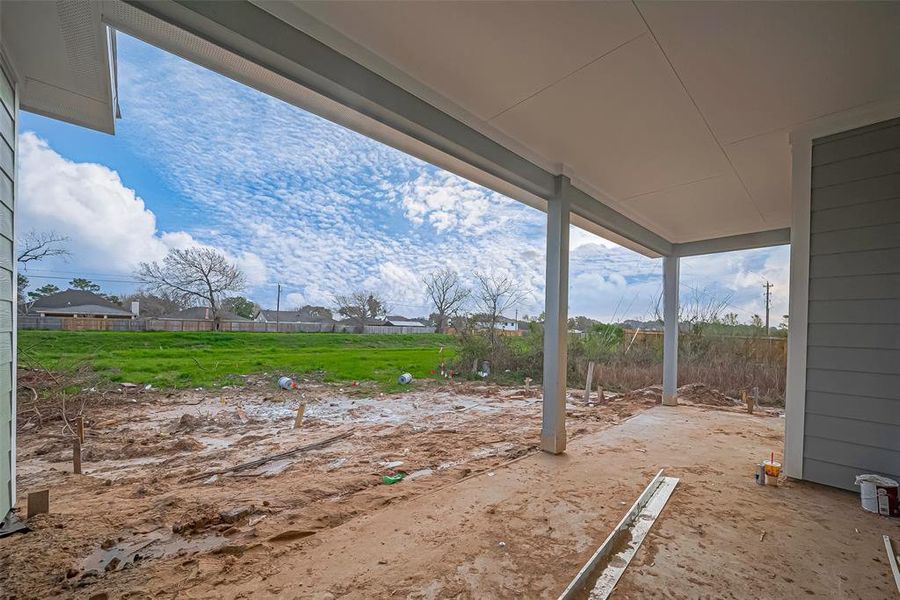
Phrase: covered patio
(673, 129)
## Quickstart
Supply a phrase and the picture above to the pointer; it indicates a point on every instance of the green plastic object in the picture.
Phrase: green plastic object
(392, 479)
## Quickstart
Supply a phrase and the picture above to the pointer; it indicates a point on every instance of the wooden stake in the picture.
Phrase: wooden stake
(748, 400)
(589, 383)
(79, 428)
(38, 503)
(298, 420)
(76, 456)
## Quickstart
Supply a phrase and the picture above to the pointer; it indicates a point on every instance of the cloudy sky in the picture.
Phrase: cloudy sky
(201, 160)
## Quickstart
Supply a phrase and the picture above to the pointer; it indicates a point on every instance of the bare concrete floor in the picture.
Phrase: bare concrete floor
(523, 530)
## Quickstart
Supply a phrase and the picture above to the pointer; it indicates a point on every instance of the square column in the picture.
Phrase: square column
(670, 330)
(556, 320)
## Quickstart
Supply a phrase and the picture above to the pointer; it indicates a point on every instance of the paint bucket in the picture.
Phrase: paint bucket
(404, 379)
(773, 470)
(761, 474)
(879, 494)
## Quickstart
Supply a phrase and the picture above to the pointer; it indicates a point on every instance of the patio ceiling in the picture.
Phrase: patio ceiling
(671, 119)
(676, 114)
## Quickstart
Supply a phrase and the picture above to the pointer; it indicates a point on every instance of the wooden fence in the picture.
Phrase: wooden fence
(762, 347)
(92, 324)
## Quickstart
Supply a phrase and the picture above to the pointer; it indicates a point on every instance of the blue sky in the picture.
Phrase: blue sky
(201, 160)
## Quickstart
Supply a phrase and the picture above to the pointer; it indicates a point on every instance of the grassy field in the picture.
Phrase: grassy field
(182, 360)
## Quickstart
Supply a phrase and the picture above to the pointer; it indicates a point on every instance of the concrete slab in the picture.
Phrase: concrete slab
(526, 530)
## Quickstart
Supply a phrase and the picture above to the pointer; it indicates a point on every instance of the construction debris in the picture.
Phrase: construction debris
(892, 560)
(38, 503)
(599, 576)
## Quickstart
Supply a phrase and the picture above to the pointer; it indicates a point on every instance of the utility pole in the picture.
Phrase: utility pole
(768, 287)
(278, 311)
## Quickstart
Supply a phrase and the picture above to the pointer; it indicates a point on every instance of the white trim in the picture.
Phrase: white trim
(801, 192)
(671, 277)
(556, 303)
(731, 243)
(795, 388)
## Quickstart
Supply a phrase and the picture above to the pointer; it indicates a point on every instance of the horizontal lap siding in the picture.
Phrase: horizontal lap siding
(7, 293)
(853, 356)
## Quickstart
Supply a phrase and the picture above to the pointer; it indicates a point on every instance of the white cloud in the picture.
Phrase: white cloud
(109, 228)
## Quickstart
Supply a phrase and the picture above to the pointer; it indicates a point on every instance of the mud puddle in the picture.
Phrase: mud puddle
(158, 544)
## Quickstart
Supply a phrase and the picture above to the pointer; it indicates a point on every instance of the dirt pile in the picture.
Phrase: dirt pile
(699, 393)
(691, 393)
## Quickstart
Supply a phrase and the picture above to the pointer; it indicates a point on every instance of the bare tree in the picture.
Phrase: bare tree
(698, 307)
(447, 294)
(40, 245)
(495, 294)
(193, 275)
(360, 306)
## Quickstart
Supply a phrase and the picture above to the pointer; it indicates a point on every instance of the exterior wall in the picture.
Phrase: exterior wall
(852, 399)
(8, 114)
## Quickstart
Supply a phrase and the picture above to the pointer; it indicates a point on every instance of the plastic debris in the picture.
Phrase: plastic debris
(392, 479)
(404, 379)
(286, 383)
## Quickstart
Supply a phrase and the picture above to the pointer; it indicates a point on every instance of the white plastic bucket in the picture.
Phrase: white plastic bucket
(868, 496)
(878, 494)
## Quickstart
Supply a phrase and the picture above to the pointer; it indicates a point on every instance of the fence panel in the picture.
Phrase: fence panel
(92, 324)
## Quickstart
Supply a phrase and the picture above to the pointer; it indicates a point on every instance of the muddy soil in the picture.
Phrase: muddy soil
(156, 493)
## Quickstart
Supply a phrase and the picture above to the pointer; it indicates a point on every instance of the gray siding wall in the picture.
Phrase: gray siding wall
(853, 354)
(8, 108)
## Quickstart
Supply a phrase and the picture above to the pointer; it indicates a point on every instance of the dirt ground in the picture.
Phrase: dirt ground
(480, 513)
(143, 503)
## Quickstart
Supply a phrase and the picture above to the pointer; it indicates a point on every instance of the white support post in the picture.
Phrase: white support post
(670, 330)
(556, 317)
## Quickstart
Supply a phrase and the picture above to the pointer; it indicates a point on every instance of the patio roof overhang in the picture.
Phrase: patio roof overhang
(672, 120)
(65, 61)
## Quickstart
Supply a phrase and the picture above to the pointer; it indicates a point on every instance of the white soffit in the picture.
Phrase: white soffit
(61, 53)
(678, 113)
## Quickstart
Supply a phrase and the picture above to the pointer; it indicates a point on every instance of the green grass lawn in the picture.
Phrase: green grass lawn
(182, 360)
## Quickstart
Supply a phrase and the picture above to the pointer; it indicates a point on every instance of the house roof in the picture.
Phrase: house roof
(293, 316)
(77, 302)
(371, 322)
(201, 313)
(399, 321)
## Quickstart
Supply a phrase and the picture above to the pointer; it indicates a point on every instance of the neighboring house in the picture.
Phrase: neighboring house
(291, 316)
(369, 322)
(502, 324)
(399, 321)
(201, 313)
(77, 303)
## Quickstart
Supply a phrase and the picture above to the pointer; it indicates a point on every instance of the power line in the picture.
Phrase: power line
(69, 278)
